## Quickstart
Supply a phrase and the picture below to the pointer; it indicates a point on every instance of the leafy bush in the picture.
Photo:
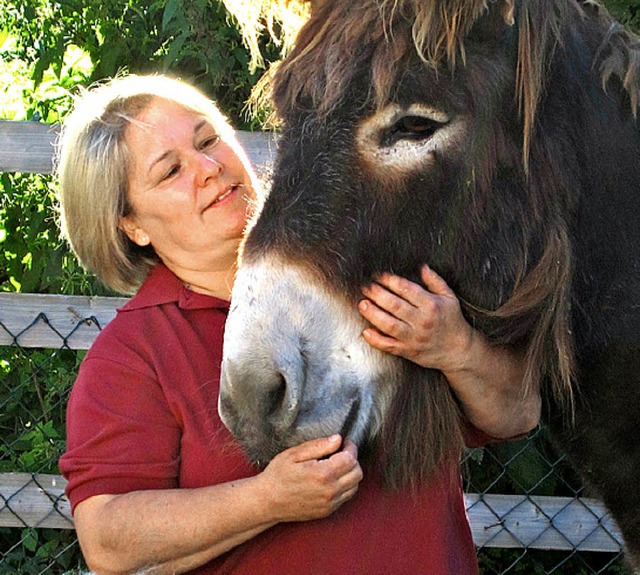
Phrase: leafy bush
(194, 39)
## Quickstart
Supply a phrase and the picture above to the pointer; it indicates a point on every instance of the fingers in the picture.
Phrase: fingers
(380, 341)
(385, 321)
(434, 283)
(420, 323)
(351, 448)
(316, 448)
(407, 290)
(394, 294)
(344, 461)
(393, 301)
(301, 489)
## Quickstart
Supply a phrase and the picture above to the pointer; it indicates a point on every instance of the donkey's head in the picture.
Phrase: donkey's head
(406, 131)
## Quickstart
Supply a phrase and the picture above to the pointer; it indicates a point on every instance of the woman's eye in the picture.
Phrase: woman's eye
(411, 128)
(209, 142)
(172, 171)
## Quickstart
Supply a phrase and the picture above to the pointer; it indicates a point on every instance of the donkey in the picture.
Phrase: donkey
(495, 140)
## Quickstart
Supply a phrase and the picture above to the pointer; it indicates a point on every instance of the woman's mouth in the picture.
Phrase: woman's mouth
(224, 195)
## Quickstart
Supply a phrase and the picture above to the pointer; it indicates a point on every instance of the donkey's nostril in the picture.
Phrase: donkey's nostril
(282, 399)
(276, 399)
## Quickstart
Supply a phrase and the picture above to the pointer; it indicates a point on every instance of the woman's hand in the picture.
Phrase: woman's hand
(426, 325)
(422, 324)
(313, 479)
(177, 530)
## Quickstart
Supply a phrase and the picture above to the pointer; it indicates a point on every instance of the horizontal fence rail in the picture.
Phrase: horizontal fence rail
(509, 521)
(29, 147)
(53, 321)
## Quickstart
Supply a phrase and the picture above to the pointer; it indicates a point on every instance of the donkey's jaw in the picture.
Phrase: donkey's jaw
(295, 365)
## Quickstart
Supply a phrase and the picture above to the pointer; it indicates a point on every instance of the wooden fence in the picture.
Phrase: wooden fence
(54, 321)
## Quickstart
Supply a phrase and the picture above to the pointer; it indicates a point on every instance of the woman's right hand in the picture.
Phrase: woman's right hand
(313, 479)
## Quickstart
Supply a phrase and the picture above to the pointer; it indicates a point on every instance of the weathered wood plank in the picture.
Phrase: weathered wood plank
(50, 321)
(26, 146)
(556, 523)
(34, 500)
(29, 147)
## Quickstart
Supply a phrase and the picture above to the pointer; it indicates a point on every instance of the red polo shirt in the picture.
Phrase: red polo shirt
(143, 415)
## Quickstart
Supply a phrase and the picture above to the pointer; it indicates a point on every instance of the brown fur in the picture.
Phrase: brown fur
(330, 48)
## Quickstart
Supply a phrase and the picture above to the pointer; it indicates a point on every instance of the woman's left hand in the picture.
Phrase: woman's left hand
(425, 325)
(422, 324)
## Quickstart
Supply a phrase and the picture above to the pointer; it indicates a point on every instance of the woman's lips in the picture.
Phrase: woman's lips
(224, 195)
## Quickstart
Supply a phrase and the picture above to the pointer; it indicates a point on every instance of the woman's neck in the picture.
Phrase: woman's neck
(217, 283)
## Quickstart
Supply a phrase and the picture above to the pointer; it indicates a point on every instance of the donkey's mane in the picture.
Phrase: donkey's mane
(328, 47)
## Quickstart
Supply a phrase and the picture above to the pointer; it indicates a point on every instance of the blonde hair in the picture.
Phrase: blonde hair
(93, 163)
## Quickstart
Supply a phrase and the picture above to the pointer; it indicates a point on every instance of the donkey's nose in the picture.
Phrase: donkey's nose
(282, 400)
(265, 399)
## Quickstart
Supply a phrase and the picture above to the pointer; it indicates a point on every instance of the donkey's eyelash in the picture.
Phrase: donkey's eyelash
(411, 128)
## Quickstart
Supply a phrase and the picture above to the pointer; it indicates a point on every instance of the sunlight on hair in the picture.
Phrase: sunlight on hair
(281, 19)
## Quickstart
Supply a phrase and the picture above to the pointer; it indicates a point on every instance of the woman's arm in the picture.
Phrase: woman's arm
(427, 327)
(176, 530)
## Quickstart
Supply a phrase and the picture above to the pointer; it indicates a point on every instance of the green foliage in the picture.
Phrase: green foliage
(193, 39)
(33, 258)
(30, 551)
(626, 11)
(34, 389)
(496, 561)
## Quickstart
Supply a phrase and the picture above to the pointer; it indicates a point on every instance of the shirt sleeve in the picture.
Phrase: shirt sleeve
(474, 437)
(121, 433)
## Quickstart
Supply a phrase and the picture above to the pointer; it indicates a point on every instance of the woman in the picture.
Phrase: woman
(155, 193)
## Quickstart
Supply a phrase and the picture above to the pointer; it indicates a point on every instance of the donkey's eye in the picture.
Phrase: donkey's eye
(411, 128)
(407, 138)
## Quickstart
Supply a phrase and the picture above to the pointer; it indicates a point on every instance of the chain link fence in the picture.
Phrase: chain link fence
(527, 510)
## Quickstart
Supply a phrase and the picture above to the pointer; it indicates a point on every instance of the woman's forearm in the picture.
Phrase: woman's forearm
(489, 386)
(168, 531)
(176, 530)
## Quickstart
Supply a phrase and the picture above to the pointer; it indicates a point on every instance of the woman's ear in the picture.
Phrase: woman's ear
(134, 232)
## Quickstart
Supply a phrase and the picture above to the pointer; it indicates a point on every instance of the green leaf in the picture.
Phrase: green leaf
(4, 35)
(174, 49)
(30, 539)
(169, 14)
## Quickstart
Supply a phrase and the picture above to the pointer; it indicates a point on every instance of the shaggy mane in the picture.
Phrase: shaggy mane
(328, 43)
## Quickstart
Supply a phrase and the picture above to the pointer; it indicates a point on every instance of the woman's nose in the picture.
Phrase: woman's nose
(208, 167)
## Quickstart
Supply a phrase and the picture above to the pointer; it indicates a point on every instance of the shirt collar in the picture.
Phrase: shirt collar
(163, 286)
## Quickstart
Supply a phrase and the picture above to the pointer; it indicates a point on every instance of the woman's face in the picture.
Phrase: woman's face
(189, 190)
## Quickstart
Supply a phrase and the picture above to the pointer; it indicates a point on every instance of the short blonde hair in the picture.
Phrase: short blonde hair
(93, 163)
